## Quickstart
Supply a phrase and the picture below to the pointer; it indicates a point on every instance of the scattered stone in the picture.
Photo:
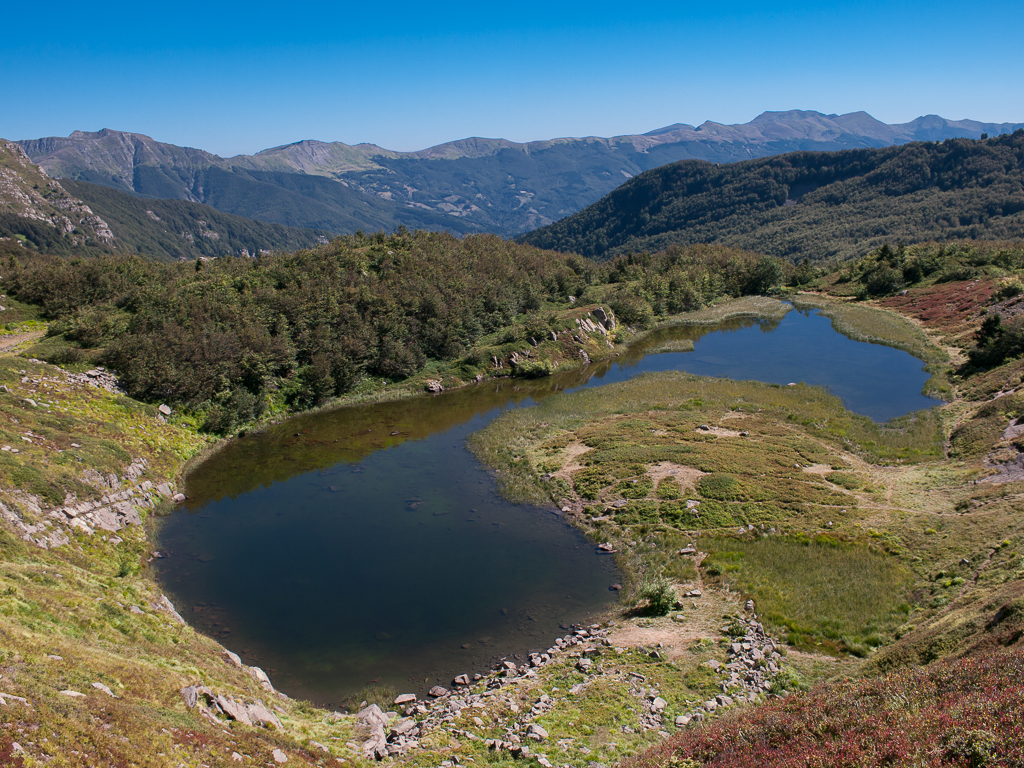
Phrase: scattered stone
(178, 498)
(104, 689)
(279, 756)
(438, 691)
(233, 659)
(261, 677)
(405, 698)
(191, 695)
(461, 680)
(236, 757)
(233, 709)
(433, 385)
(683, 720)
(535, 732)
(73, 694)
(165, 409)
(659, 704)
(262, 716)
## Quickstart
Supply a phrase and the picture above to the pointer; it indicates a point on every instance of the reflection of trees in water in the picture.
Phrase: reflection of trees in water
(318, 441)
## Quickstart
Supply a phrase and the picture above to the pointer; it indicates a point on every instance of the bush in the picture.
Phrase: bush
(659, 596)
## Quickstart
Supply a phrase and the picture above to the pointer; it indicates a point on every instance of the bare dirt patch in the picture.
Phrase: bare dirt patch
(818, 469)
(676, 637)
(685, 476)
(569, 455)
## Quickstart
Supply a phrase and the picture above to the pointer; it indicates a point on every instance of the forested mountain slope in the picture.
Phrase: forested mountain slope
(76, 217)
(810, 204)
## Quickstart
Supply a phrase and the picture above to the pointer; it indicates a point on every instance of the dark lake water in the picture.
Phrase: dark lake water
(367, 546)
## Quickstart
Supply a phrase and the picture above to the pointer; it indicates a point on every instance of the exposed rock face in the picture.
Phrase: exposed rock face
(26, 191)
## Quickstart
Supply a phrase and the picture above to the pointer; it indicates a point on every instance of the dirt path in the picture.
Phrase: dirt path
(10, 344)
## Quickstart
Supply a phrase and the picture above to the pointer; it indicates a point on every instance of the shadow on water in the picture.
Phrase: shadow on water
(365, 545)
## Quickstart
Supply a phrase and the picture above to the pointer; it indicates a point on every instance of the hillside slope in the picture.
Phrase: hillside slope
(80, 218)
(469, 185)
(810, 204)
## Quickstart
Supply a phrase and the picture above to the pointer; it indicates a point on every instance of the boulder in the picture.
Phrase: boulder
(535, 732)
(191, 695)
(438, 691)
(262, 716)
(104, 689)
(659, 704)
(261, 677)
(233, 659)
(233, 709)
(405, 698)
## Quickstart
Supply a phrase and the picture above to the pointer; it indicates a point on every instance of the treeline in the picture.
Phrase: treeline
(821, 205)
(233, 337)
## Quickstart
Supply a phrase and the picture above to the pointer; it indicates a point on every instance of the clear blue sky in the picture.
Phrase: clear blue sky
(233, 79)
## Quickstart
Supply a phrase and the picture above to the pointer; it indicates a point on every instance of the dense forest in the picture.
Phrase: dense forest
(813, 205)
(234, 337)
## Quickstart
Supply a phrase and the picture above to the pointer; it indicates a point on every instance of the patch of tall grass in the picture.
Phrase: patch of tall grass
(843, 596)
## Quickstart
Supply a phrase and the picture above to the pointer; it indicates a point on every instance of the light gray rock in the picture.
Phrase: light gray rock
(261, 677)
(191, 695)
(536, 732)
(233, 709)
(405, 698)
(279, 756)
(262, 716)
(104, 689)
(659, 704)
(233, 659)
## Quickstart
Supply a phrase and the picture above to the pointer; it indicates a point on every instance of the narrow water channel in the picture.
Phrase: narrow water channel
(366, 546)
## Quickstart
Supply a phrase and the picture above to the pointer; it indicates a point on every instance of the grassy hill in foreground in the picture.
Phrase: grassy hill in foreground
(810, 204)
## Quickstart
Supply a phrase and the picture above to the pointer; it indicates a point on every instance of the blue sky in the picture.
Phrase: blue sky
(234, 78)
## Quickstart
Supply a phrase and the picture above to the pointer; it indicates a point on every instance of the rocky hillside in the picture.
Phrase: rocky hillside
(83, 218)
(473, 184)
(35, 207)
(813, 205)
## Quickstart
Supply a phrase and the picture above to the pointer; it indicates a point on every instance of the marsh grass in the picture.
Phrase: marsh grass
(512, 442)
(746, 306)
(823, 592)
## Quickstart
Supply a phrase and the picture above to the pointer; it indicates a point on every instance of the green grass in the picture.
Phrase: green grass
(822, 591)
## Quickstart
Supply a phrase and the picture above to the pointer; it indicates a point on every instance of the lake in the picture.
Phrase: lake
(366, 546)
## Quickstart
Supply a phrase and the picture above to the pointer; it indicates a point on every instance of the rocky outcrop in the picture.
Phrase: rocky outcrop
(26, 191)
(216, 706)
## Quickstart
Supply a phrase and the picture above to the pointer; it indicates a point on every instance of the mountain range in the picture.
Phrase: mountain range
(474, 184)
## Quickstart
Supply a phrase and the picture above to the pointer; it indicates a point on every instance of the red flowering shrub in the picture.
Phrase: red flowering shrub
(957, 712)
